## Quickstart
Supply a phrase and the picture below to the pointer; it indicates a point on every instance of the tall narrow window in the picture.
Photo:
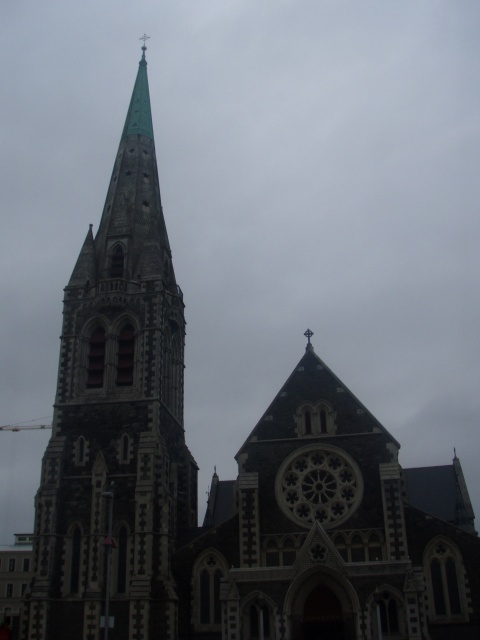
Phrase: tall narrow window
(272, 556)
(217, 611)
(357, 549)
(122, 561)
(117, 261)
(388, 615)
(125, 357)
(96, 359)
(289, 554)
(80, 451)
(445, 585)
(125, 449)
(75, 562)
(204, 596)
(323, 421)
(308, 422)
(259, 620)
(208, 575)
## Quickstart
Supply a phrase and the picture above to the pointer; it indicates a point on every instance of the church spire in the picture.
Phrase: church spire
(139, 116)
(132, 242)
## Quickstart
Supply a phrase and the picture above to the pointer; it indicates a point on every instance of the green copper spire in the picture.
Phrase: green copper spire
(139, 116)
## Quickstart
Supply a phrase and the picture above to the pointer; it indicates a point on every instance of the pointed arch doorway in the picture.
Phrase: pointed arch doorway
(323, 616)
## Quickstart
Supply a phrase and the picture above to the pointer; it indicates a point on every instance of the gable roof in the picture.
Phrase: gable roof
(312, 381)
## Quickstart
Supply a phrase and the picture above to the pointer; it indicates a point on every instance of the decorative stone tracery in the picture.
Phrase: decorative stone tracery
(319, 483)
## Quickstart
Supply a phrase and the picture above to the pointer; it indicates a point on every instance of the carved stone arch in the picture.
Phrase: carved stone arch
(127, 317)
(386, 607)
(334, 582)
(446, 580)
(97, 320)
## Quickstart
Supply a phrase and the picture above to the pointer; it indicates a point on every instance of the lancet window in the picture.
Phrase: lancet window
(96, 359)
(208, 573)
(117, 262)
(446, 581)
(125, 356)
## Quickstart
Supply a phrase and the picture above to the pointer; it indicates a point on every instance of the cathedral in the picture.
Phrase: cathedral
(320, 535)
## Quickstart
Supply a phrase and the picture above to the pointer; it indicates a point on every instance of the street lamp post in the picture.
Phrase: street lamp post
(108, 495)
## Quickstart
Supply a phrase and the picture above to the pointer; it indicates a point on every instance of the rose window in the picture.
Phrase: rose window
(322, 484)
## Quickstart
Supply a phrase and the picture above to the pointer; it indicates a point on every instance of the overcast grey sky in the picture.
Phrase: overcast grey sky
(319, 168)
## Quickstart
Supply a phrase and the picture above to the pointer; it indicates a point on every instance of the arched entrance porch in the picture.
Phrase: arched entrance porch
(321, 604)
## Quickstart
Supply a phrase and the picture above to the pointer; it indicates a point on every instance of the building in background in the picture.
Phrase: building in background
(320, 535)
(15, 576)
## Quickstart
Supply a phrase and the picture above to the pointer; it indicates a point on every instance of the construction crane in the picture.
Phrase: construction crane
(15, 428)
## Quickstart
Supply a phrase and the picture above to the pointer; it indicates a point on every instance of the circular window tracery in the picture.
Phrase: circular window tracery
(319, 483)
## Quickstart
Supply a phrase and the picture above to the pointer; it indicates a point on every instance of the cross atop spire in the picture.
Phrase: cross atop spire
(144, 38)
(308, 334)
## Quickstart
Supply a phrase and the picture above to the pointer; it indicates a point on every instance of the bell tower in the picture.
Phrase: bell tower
(118, 418)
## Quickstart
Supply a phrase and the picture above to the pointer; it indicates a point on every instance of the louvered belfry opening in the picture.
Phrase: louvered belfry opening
(125, 359)
(117, 262)
(96, 359)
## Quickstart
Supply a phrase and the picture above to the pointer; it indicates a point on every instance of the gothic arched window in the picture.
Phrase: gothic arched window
(80, 451)
(315, 419)
(375, 548)
(125, 356)
(117, 261)
(387, 613)
(124, 449)
(308, 422)
(272, 555)
(446, 581)
(323, 421)
(96, 358)
(208, 573)
(259, 620)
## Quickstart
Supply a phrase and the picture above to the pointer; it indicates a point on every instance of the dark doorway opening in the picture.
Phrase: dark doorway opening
(323, 616)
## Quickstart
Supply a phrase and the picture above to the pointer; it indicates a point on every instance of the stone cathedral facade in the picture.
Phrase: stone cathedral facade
(320, 535)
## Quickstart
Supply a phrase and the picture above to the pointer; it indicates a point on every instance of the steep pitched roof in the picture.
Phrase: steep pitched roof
(139, 116)
(440, 492)
(313, 381)
(221, 502)
(132, 215)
